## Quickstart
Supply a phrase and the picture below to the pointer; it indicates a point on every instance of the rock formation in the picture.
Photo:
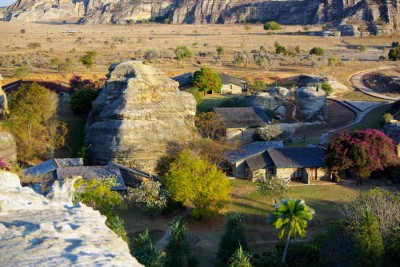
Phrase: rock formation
(375, 16)
(35, 231)
(8, 147)
(311, 103)
(138, 117)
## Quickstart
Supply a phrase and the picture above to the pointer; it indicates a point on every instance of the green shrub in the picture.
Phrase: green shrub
(327, 88)
(116, 224)
(394, 54)
(196, 94)
(318, 51)
(182, 52)
(280, 49)
(146, 252)
(81, 100)
(387, 117)
(272, 26)
(362, 48)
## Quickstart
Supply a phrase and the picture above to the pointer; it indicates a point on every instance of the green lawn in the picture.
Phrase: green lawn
(372, 120)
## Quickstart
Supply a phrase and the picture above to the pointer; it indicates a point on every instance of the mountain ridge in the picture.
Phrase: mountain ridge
(374, 16)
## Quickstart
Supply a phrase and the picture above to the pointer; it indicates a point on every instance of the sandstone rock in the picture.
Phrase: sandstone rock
(138, 116)
(279, 92)
(37, 232)
(311, 103)
(8, 147)
(262, 100)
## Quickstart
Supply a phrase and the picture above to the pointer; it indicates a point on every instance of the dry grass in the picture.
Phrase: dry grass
(116, 42)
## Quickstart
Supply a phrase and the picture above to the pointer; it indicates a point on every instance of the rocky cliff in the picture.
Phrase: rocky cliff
(138, 116)
(376, 16)
(35, 231)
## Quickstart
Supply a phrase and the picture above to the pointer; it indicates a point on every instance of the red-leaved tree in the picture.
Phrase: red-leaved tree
(362, 152)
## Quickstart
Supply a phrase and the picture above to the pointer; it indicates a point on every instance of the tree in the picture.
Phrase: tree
(240, 258)
(88, 59)
(369, 246)
(206, 79)
(55, 62)
(327, 88)
(233, 238)
(146, 252)
(150, 196)
(292, 215)
(81, 100)
(394, 53)
(182, 52)
(32, 122)
(275, 188)
(272, 26)
(194, 181)
(178, 248)
(362, 152)
(76, 83)
(318, 51)
(209, 125)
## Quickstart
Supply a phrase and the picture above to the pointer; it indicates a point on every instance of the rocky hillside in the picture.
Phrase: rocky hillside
(36, 231)
(376, 16)
(138, 117)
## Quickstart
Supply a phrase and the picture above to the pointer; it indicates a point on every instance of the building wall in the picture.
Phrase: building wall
(258, 175)
(240, 170)
(307, 174)
(231, 89)
(243, 135)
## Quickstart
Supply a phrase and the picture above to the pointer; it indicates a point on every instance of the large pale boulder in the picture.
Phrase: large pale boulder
(138, 117)
(35, 231)
(311, 103)
(263, 100)
(8, 147)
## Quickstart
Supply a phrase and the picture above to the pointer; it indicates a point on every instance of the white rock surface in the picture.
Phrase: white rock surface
(35, 231)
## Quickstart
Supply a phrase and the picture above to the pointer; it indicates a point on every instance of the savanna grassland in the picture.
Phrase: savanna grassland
(114, 43)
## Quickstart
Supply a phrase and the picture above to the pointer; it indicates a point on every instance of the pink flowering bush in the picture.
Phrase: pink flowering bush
(4, 165)
(362, 151)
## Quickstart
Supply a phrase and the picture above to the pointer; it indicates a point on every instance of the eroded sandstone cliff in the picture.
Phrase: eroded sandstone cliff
(35, 231)
(376, 16)
(138, 117)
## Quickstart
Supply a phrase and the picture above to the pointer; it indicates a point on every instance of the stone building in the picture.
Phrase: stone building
(240, 123)
(232, 85)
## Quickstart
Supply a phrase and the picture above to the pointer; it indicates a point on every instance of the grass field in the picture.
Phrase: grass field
(325, 199)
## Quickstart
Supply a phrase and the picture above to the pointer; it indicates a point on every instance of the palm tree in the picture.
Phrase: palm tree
(292, 216)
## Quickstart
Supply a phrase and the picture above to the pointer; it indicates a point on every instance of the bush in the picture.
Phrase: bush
(276, 188)
(318, 51)
(387, 117)
(334, 61)
(146, 252)
(151, 54)
(394, 54)
(96, 193)
(280, 49)
(362, 48)
(182, 52)
(116, 224)
(233, 238)
(150, 196)
(327, 88)
(272, 26)
(81, 100)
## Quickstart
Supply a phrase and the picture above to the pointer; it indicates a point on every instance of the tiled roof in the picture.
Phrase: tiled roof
(242, 117)
(297, 157)
(92, 172)
(227, 79)
(51, 165)
(251, 150)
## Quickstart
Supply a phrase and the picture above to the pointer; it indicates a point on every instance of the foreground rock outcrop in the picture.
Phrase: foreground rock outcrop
(8, 147)
(139, 115)
(375, 16)
(35, 231)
